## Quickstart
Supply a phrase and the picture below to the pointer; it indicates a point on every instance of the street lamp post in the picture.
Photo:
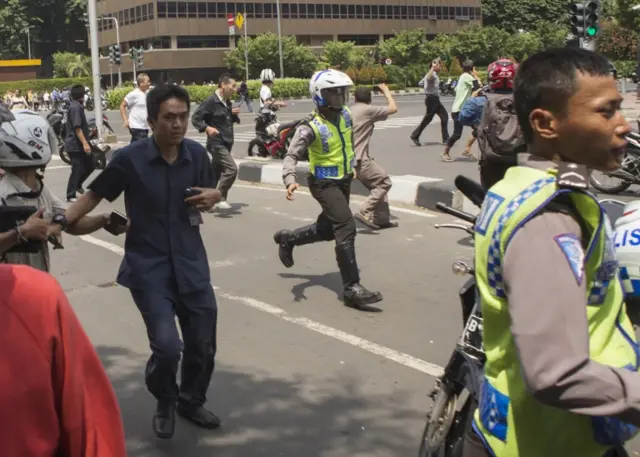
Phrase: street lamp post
(29, 42)
(279, 39)
(115, 20)
(95, 63)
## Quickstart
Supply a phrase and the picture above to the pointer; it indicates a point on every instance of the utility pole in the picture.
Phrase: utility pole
(29, 42)
(280, 39)
(115, 20)
(95, 63)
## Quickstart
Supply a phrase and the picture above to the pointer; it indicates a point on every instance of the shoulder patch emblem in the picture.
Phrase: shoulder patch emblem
(571, 247)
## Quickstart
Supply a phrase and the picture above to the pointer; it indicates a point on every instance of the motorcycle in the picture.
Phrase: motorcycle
(626, 175)
(456, 392)
(272, 138)
(57, 119)
(90, 104)
(447, 88)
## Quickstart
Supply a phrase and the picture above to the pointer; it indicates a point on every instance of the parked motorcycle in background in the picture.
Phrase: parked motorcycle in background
(447, 88)
(57, 119)
(629, 172)
(272, 138)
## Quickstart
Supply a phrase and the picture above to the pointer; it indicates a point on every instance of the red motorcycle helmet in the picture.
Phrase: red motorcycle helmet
(501, 74)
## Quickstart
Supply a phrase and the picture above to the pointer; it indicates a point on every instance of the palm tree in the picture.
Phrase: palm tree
(80, 65)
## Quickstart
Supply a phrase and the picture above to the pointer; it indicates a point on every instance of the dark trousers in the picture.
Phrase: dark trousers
(434, 106)
(81, 168)
(197, 314)
(457, 130)
(138, 134)
(335, 222)
(492, 172)
(225, 170)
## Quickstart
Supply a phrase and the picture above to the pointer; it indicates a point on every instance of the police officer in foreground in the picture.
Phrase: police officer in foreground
(561, 375)
(328, 137)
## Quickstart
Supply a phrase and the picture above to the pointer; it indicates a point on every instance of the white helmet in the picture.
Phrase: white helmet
(328, 79)
(267, 75)
(627, 241)
(26, 141)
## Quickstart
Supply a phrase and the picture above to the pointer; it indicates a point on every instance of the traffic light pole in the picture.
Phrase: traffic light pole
(115, 20)
(95, 63)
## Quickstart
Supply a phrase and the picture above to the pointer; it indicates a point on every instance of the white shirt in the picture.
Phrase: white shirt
(265, 94)
(136, 101)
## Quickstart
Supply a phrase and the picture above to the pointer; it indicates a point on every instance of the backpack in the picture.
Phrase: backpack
(499, 135)
(471, 111)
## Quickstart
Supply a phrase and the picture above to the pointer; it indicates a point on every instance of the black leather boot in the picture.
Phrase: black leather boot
(355, 295)
(288, 239)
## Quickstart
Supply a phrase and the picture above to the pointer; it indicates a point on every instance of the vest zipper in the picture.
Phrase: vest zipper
(344, 147)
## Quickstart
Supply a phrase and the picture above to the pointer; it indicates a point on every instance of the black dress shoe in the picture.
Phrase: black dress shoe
(164, 420)
(199, 416)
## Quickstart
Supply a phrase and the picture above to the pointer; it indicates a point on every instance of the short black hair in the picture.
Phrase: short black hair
(467, 65)
(160, 94)
(77, 92)
(363, 95)
(547, 80)
(225, 78)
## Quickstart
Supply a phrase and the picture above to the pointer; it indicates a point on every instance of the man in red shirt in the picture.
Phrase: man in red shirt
(56, 398)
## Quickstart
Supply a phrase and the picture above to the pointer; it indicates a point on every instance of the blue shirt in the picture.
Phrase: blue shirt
(162, 249)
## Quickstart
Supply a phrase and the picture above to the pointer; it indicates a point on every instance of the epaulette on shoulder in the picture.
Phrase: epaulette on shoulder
(572, 176)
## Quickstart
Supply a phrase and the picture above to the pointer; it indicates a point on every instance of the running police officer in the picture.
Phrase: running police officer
(561, 375)
(327, 135)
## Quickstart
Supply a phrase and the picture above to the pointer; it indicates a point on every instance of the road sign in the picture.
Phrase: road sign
(231, 20)
(388, 61)
(239, 20)
(232, 30)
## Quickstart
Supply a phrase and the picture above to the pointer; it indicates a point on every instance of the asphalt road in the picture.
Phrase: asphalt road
(297, 374)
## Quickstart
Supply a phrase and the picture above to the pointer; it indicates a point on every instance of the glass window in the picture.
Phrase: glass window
(162, 9)
(458, 11)
(359, 12)
(268, 10)
(336, 11)
(389, 9)
(439, 14)
(202, 10)
(302, 11)
(326, 11)
(248, 9)
(138, 14)
(343, 11)
(143, 12)
(259, 11)
(411, 12)
(126, 17)
(150, 10)
(319, 10)
(284, 10)
(182, 9)
(294, 10)
(382, 11)
(374, 11)
(478, 13)
(231, 8)
(400, 11)
(192, 9)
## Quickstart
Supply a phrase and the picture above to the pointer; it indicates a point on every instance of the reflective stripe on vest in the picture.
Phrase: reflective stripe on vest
(331, 154)
(509, 420)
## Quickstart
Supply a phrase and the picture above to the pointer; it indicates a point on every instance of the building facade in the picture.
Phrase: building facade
(186, 40)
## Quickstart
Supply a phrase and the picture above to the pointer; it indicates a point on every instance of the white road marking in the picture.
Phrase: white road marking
(401, 358)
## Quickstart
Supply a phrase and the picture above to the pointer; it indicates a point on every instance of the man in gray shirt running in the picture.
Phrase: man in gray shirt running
(432, 91)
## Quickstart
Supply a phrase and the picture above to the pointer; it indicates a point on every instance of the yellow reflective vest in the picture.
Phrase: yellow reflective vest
(331, 154)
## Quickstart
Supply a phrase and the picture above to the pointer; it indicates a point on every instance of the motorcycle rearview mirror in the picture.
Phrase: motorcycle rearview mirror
(471, 189)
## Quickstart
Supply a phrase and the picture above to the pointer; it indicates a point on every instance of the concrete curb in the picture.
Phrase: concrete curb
(420, 191)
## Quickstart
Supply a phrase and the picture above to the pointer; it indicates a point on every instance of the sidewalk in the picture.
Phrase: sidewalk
(631, 107)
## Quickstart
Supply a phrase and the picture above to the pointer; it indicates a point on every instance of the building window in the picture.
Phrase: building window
(360, 40)
(193, 42)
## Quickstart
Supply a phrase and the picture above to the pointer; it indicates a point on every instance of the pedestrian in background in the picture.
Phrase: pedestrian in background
(76, 143)
(431, 83)
(468, 82)
(136, 103)
(374, 212)
(165, 263)
(243, 94)
(216, 117)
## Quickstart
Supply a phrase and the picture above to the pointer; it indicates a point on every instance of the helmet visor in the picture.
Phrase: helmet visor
(336, 97)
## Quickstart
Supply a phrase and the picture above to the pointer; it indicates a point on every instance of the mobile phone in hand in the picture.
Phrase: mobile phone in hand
(116, 219)
(190, 192)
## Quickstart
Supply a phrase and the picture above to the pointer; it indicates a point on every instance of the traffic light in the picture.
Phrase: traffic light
(132, 53)
(111, 55)
(584, 18)
(85, 18)
(141, 57)
(117, 55)
(591, 18)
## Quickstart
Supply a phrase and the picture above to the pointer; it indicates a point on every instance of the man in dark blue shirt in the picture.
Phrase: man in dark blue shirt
(76, 143)
(165, 264)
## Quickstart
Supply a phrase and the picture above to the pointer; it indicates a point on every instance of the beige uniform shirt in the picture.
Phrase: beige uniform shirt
(364, 118)
(547, 306)
(51, 204)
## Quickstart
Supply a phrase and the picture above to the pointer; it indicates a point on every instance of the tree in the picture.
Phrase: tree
(441, 46)
(514, 15)
(625, 16)
(480, 44)
(617, 42)
(298, 60)
(522, 45)
(338, 54)
(14, 20)
(405, 48)
(551, 34)
(69, 65)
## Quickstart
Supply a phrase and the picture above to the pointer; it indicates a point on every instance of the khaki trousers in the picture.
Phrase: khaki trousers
(376, 179)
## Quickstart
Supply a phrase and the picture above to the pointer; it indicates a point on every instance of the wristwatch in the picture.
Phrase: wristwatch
(61, 220)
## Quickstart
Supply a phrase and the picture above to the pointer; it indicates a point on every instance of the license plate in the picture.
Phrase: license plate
(473, 333)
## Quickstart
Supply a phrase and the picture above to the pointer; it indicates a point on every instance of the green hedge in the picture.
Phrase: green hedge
(282, 88)
(40, 85)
